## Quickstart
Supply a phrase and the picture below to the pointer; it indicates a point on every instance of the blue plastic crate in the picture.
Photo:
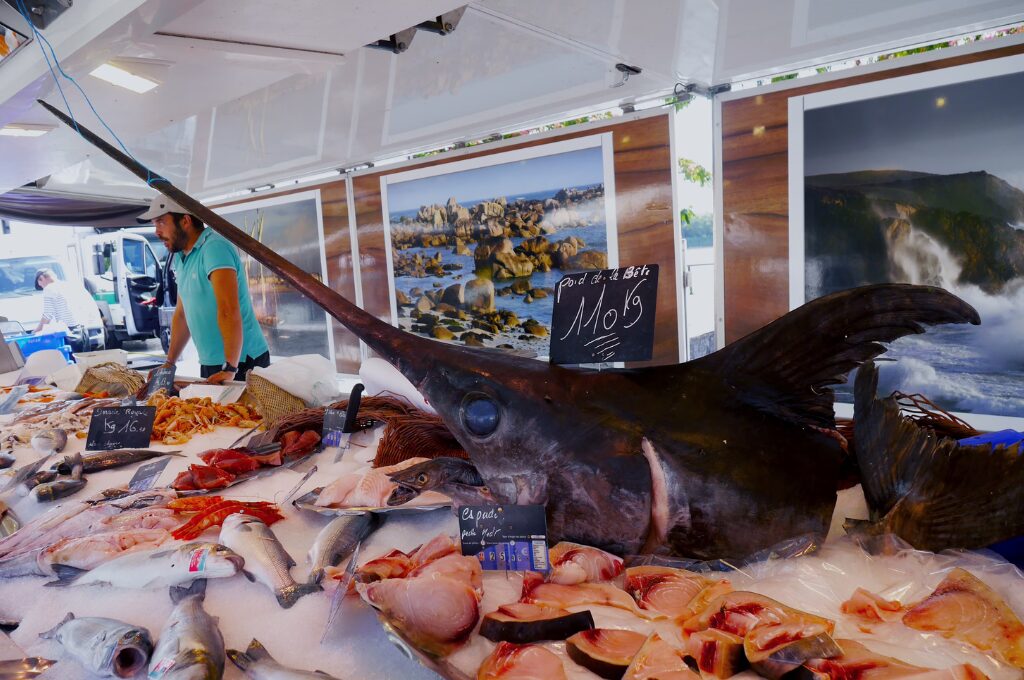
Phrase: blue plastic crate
(30, 344)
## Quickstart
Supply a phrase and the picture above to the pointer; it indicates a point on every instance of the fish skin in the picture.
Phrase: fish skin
(103, 646)
(454, 477)
(265, 557)
(337, 540)
(49, 442)
(173, 565)
(64, 485)
(257, 664)
(191, 646)
(746, 436)
(108, 460)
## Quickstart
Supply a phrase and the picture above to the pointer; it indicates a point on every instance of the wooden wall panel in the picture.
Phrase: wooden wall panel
(755, 190)
(643, 195)
(338, 250)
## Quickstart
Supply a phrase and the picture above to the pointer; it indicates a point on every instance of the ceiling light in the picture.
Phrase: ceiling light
(118, 76)
(25, 130)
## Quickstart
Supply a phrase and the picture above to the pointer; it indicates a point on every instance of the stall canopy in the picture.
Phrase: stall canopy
(29, 204)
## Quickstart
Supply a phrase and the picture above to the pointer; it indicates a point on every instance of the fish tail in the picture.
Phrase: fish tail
(286, 597)
(52, 633)
(257, 652)
(242, 660)
(315, 576)
(196, 589)
(66, 575)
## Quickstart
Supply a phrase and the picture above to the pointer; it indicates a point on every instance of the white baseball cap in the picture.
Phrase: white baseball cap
(161, 205)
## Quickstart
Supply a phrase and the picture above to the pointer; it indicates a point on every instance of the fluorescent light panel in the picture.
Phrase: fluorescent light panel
(118, 76)
(25, 130)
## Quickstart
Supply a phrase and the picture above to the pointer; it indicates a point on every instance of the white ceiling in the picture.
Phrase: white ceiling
(258, 91)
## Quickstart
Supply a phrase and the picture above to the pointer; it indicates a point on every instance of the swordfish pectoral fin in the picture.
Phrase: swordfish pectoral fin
(657, 534)
(787, 367)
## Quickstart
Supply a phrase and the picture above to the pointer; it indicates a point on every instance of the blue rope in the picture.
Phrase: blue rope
(150, 177)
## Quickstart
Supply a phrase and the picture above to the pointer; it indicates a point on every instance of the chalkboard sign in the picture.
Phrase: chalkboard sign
(127, 427)
(334, 425)
(505, 537)
(605, 316)
(162, 379)
(145, 477)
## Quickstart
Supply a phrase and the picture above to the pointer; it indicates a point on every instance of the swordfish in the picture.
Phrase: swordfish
(715, 458)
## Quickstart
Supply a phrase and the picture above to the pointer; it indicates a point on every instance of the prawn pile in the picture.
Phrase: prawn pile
(177, 420)
(211, 511)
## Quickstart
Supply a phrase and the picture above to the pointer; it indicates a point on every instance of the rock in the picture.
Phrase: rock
(521, 287)
(492, 209)
(551, 205)
(485, 326)
(442, 333)
(460, 248)
(401, 298)
(445, 309)
(436, 284)
(543, 262)
(588, 259)
(534, 246)
(511, 266)
(564, 252)
(509, 318)
(538, 293)
(452, 295)
(479, 294)
(424, 304)
(504, 345)
(528, 299)
(427, 320)
(505, 292)
(416, 291)
(485, 252)
(535, 328)
(472, 340)
(454, 327)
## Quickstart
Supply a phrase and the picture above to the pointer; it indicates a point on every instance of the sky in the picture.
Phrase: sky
(569, 169)
(977, 125)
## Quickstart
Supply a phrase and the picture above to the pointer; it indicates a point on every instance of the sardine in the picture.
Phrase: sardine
(190, 646)
(108, 460)
(50, 441)
(103, 646)
(720, 457)
(64, 485)
(266, 560)
(154, 568)
(454, 477)
(337, 540)
(257, 664)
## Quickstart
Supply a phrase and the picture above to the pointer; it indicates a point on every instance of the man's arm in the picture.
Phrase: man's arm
(229, 318)
(48, 313)
(180, 334)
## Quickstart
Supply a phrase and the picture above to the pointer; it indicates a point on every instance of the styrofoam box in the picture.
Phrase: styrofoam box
(87, 359)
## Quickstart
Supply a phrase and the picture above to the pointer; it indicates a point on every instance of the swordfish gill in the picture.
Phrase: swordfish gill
(715, 458)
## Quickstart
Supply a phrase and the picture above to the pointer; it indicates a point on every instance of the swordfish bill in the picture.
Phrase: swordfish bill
(717, 458)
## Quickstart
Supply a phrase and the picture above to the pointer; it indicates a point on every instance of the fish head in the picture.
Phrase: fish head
(213, 560)
(452, 476)
(131, 653)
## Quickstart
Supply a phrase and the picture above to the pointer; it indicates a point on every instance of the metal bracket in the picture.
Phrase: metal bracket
(43, 12)
(445, 23)
(626, 70)
(397, 43)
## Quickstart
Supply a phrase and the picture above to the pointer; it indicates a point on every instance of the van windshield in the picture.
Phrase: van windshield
(18, 274)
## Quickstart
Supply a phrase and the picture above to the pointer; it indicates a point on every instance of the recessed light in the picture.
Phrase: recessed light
(118, 76)
(25, 130)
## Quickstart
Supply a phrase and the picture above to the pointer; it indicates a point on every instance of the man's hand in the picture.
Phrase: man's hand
(166, 364)
(220, 378)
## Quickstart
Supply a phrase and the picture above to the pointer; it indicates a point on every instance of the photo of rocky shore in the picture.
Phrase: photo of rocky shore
(475, 255)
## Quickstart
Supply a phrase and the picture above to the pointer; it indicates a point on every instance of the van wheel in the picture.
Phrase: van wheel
(165, 339)
(113, 340)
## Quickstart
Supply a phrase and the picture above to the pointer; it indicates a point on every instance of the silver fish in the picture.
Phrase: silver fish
(158, 567)
(257, 664)
(108, 460)
(456, 478)
(190, 646)
(23, 473)
(50, 441)
(337, 540)
(63, 485)
(23, 669)
(103, 646)
(266, 560)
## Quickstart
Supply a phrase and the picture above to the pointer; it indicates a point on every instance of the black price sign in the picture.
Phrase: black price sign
(334, 425)
(162, 378)
(606, 315)
(145, 477)
(127, 427)
(505, 537)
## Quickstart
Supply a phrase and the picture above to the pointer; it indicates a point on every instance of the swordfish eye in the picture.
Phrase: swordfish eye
(422, 478)
(480, 415)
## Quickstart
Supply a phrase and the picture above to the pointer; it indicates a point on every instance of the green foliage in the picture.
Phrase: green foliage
(698, 230)
(788, 76)
(916, 50)
(694, 172)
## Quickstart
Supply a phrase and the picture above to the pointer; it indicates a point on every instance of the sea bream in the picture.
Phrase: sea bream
(164, 566)
(257, 664)
(191, 646)
(103, 646)
(719, 457)
(266, 560)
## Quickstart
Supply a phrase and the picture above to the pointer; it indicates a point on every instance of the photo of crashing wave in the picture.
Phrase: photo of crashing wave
(927, 187)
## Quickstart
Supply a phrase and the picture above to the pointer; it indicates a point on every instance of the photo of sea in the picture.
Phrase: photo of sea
(927, 187)
(476, 254)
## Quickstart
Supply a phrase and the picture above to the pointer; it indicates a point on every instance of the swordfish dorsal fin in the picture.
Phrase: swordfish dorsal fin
(786, 367)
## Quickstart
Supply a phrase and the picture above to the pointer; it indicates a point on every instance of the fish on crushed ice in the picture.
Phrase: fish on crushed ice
(337, 540)
(190, 646)
(266, 560)
(158, 567)
(455, 478)
(103, 646)
(369, 489)
(63, 485)
(257, 664)
(49, 442)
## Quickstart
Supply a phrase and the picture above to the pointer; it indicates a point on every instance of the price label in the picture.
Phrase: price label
(145, 477)
(334, 423)
(126, 427)
(505, 537)
(162, 379)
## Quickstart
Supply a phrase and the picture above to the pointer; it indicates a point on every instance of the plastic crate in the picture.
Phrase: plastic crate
(31, 344)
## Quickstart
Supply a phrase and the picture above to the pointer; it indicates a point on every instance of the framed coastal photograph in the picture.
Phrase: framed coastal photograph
(292, 226)
(475, 247)
(920, 179)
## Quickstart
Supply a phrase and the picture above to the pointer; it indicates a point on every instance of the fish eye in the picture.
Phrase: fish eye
(480, 415)
(422, 478)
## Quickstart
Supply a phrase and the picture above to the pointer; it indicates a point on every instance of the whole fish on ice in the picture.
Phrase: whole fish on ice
(103, 646)
(191, 646)
(266, 560)
(337, 540)
(162, 566)
(49, 442)
(719, 457)
(257, 664)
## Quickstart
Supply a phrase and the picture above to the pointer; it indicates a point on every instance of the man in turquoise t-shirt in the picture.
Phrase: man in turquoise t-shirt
(214, 307)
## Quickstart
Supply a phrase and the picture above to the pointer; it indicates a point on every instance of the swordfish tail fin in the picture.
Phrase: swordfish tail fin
(787, 367)
(927, 489)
